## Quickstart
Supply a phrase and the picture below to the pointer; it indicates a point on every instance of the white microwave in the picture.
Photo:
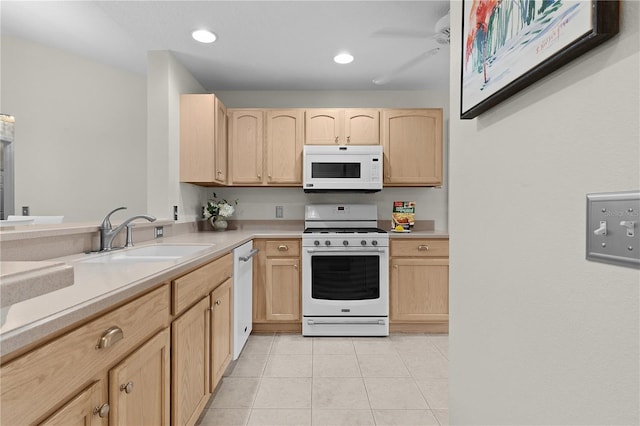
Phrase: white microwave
(328, 168)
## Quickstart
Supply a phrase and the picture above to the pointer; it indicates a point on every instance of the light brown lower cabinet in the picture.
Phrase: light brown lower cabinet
(201, 337)
(419, 285)
(81, 410)
(190, 363)
(139, 388)
(57, 382)
(277, 299)
(221, 331)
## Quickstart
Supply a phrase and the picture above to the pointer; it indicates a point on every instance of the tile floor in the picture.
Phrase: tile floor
(286, 379)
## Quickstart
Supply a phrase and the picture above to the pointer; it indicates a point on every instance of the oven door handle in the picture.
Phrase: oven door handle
(332, 322)
(343, 250)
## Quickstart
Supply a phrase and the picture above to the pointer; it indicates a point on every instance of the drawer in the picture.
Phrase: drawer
(282, 248)
(34, 384)
(420, 248)
(190, 288)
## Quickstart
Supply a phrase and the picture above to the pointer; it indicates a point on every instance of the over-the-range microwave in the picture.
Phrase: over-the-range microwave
(342, 168)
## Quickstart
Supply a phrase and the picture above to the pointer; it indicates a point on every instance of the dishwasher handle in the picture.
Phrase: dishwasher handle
(249, 256)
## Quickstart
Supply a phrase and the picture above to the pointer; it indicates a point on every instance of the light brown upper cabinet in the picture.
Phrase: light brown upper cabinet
(342, 126)
(284, 146)
(246, 138)
(265, 147)
(203, 140)
(412, 141)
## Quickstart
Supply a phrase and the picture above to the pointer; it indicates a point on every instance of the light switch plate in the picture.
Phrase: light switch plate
(613, 228)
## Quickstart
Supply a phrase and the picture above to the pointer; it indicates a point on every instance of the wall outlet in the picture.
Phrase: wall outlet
(159, 232)
(279, 212)
(25, 210)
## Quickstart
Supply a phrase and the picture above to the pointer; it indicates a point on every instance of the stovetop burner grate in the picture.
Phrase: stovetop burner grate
(344, 231)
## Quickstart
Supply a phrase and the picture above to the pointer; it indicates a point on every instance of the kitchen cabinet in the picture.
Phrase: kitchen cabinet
(419, 285)
(277, 286)
(190, 363)
(201, 336)
(246, 146)
(221, 331)
(81, 410)
(265, 147)
(284, 141)
(412, 143)
(203, 140)
(139, 391)
(342, 126)
(57, 381)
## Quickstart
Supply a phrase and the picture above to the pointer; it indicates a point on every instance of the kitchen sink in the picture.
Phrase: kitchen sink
(153, 253)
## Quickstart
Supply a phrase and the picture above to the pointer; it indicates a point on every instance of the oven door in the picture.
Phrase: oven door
(345, 282)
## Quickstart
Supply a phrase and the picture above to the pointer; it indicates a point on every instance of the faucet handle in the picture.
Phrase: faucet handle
(106, 223)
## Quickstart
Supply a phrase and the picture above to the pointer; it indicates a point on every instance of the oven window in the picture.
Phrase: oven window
(345, 277)
(335, 170)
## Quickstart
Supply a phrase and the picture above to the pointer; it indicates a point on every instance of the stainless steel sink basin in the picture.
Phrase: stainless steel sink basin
(153, 253)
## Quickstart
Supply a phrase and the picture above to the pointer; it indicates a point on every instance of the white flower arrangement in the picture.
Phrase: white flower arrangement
(215, 208)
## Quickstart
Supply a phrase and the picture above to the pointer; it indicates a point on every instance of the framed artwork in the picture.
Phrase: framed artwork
(509, 44)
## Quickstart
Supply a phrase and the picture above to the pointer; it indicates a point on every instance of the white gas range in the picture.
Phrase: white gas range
(345, 271)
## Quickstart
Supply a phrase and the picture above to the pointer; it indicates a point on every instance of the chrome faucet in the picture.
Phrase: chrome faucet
(108, 233)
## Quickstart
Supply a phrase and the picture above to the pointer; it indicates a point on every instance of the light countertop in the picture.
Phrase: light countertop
(98, 287)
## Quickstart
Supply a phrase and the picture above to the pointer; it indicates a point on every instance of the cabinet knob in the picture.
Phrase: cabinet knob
(348, 139)
(218, 302)
(111, 336)
(395, 266)
(219, 172)
(127, 388)
(336, 139)
(283, 247)
(295, 266)
(102, 411)
(423, 247)
(259, 176)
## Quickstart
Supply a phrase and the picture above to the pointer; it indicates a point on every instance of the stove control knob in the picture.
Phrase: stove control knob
(327, 243)
(363, 242)
(345, 243)
(374, 243)
(316, 243)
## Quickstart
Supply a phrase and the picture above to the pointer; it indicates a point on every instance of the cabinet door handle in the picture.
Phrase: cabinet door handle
(127, 388)
(102, 410)
(423, 247)
(283, 247)
(111, 336)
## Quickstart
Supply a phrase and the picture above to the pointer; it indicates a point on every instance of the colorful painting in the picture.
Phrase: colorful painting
(509, 44)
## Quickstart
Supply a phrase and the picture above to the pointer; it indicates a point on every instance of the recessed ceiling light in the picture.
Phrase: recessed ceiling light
(343, 58)
(203, 36)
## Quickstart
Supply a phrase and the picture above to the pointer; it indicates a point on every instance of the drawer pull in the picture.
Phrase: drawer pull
(127, 388)
(423, 247)
(111, 336)
(102, 411)
(283, 247)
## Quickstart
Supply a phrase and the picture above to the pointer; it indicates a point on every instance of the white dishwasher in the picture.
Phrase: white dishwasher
(242, 295)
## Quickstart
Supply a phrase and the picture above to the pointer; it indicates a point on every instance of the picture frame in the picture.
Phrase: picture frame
(508, 45)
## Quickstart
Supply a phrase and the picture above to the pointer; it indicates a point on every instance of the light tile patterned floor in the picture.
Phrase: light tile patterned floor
(287, 379)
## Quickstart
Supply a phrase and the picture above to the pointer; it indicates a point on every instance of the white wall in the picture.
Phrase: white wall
(80, 132)
(259, 203)
(539, 335)
(166, 80)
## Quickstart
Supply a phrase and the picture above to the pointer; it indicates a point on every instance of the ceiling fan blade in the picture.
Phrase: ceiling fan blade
(402, 68)
(401, 33)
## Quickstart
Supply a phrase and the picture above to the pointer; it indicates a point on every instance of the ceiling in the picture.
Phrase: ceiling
(262, 45)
